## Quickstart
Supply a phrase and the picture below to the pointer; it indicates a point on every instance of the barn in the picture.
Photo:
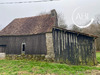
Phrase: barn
(40, 35)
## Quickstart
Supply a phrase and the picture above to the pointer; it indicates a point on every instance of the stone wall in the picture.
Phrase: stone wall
(25, 56)
(2, 55)
(50, 48)
(28, 57)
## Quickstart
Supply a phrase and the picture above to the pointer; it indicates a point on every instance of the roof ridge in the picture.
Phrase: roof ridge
(32, 16)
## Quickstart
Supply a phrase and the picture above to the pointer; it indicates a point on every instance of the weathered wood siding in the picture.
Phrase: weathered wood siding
(2, 48)
(35, 44)
(73, 48)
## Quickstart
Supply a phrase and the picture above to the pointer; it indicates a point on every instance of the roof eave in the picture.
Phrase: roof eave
(76, 32)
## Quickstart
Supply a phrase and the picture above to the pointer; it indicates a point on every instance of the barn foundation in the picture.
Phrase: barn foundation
(2, 55)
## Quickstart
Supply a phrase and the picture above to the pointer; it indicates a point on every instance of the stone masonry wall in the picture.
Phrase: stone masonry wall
(25, 56)
(50, 48)
(2, 55)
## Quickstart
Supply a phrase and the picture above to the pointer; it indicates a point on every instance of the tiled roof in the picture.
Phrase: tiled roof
(30, 25)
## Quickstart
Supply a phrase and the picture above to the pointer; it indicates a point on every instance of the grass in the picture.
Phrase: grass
(98, 56)
(23, 67)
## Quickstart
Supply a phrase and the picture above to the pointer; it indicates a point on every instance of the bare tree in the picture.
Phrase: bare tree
(61, 21)
(75, 28)
(97, 20)
(94, 30)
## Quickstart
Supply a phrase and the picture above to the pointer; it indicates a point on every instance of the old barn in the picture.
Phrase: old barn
(40, 35)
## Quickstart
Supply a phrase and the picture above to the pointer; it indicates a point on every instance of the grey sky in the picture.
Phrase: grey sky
(8, 12)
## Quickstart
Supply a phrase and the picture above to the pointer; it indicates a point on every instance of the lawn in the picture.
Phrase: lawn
(98, 56)
(23, 67)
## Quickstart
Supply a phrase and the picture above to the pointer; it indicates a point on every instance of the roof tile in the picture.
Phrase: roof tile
(30, 25)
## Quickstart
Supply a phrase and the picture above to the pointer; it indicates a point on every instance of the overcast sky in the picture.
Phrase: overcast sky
(8, 12)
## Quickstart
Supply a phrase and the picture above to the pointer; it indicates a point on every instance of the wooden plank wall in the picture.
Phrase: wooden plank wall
(2, 49)
(72, 48)
(35, 44)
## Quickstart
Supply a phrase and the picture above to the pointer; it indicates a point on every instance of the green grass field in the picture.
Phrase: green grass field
(98, 56)
(23, 67)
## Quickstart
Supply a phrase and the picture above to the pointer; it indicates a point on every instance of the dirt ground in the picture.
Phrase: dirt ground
(93, 72)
